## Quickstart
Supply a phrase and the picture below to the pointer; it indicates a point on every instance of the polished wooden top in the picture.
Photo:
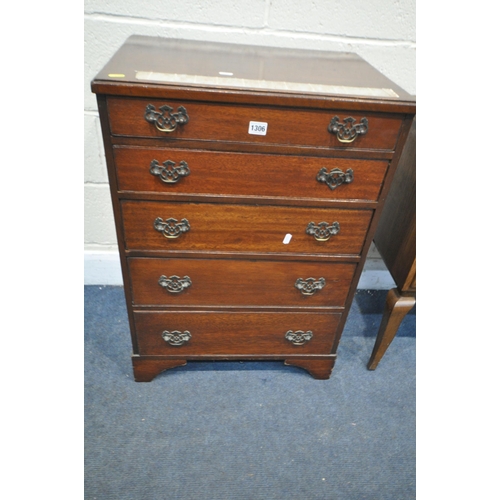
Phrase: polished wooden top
(152, 61)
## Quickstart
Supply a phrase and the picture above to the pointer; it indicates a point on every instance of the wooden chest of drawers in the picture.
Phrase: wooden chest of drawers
(246, 185)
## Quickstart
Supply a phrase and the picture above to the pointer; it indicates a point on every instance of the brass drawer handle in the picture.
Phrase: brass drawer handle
(168, 172)
(174, 284)
(175, 337)
(299, 337)
(170, 228)
(322, 232)
(309, 286)
(166, 121)
(335, 177)
(347, 131)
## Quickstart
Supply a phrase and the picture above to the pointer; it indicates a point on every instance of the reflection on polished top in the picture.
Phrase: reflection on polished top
(219, 65)
(262, 84)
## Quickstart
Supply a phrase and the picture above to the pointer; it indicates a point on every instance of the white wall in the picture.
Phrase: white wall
(380, 31)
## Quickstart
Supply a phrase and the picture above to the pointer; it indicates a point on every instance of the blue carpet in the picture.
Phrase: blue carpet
(249, 430)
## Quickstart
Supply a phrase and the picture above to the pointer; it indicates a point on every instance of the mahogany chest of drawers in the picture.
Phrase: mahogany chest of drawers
(246, 185)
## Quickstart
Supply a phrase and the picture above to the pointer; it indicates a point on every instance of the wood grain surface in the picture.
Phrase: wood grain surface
(235, 333)
(223, 282)
(247, 175)
(243, 228)
(228, 123)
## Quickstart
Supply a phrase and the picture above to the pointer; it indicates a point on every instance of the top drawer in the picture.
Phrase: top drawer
(232, 123)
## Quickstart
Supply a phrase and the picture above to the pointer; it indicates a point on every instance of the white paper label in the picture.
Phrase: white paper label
(257, 128)
(287, 239)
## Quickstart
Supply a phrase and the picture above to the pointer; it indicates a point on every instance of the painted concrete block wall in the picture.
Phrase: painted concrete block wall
(380, 31)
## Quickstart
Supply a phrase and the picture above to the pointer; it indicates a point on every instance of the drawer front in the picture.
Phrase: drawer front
(221, 282)
(187, 171)
(231, 123)
(242, 228)
(216, 333)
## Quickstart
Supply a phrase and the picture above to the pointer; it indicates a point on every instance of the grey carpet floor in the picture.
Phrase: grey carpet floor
(249, 430)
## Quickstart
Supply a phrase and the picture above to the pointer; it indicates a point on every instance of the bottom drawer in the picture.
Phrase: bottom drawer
(224, 333)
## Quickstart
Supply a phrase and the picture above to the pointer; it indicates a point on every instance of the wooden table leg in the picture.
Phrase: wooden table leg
(396, 308)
